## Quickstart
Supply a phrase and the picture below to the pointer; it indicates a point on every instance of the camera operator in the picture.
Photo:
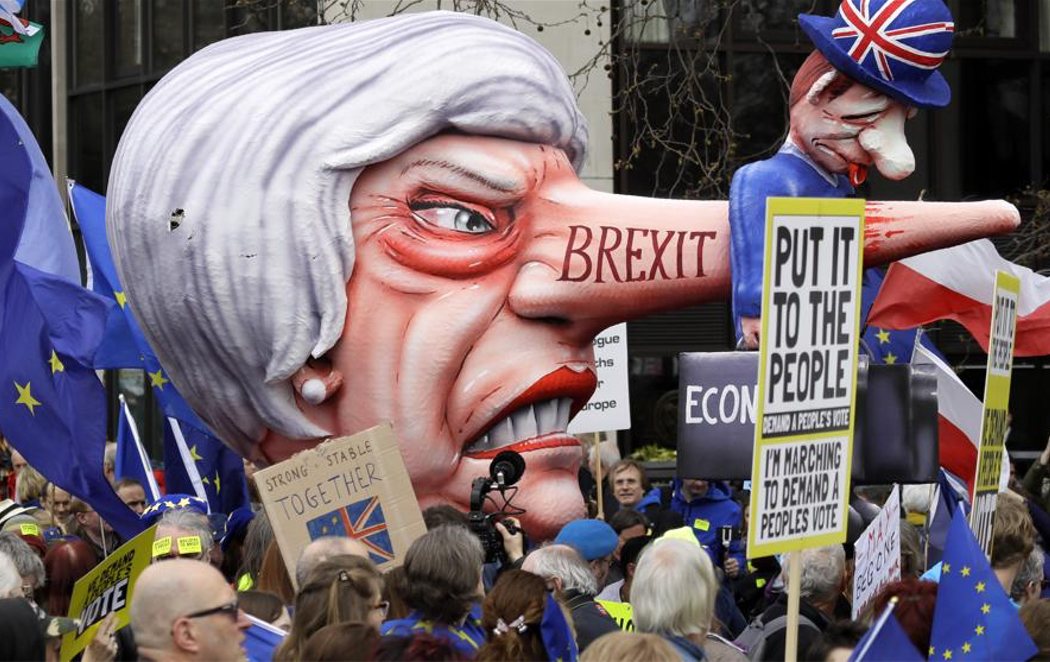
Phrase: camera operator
(513, 544)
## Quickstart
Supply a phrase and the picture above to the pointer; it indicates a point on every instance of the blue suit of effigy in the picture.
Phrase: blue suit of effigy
(789, 173)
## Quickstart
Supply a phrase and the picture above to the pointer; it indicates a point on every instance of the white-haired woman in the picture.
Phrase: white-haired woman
(323, 229)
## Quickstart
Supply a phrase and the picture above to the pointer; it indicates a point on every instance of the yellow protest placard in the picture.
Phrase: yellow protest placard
(107, 589)
(996, 406)
(805, 407)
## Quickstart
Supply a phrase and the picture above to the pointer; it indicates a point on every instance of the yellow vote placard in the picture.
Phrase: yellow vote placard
(805, 404)
(107, 589)
(996, 406)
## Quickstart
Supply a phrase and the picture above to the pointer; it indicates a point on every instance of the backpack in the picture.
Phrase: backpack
(753, 639)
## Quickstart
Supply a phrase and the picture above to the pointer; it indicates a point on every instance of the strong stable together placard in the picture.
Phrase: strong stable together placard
(807, 373)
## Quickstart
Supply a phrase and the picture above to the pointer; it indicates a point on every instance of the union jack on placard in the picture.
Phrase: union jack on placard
(362, 520)
(889, 35)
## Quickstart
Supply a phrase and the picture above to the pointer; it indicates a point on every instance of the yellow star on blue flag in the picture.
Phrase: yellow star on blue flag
(25, 397)
(157, 379)
(55, 363)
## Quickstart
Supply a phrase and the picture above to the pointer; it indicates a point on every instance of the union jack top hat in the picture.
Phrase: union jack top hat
(893, 46)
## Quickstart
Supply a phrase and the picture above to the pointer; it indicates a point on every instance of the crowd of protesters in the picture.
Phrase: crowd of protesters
(664, 575)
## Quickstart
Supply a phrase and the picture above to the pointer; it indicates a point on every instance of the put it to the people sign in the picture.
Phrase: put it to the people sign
(805, 407)
(996, 406)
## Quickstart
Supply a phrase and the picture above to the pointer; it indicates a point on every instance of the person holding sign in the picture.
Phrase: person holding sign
(849, 102)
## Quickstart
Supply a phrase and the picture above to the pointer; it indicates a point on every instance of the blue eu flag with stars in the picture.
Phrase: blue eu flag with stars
(52, 404)
(974, 618)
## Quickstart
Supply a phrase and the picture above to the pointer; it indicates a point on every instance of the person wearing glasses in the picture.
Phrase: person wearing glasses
(184, 609)
(343, 589)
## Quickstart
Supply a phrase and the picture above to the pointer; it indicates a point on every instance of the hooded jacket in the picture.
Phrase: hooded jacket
(707, 514)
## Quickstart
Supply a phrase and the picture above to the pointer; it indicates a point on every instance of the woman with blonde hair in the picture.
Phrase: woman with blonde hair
(340, 590)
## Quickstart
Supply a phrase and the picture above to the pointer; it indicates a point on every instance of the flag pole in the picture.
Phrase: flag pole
(793, 586)
(598, 475)
(59, 98)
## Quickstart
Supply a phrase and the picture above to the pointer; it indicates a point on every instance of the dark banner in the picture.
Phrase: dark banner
(896, 431)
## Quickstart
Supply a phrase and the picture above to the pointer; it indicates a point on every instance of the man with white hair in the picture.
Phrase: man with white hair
(566, 572)
(185, 610)
(823, 580)
(322, 549)
(673, 595)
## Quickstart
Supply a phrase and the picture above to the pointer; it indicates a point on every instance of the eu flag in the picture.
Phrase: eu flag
(52, 404)
(885, 641)
(973, 617)
(195, 462)
(208, 469)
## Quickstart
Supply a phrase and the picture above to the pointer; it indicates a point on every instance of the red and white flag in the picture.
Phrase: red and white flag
(958, 283)
(958, 418)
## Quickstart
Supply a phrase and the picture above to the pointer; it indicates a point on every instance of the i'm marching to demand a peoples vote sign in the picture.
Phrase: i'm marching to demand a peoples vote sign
(807, 374)
(996, 406)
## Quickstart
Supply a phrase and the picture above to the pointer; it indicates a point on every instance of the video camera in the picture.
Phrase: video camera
(505, 470)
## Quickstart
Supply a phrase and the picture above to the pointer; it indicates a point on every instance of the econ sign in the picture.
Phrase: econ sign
(807, 374)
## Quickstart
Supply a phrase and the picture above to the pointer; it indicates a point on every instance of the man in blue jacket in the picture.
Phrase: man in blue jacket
(707, 507)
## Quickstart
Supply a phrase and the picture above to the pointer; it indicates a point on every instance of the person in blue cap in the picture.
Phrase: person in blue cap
(875, 63)
(595, 541)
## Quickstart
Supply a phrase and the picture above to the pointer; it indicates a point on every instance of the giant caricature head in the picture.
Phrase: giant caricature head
(390, 211)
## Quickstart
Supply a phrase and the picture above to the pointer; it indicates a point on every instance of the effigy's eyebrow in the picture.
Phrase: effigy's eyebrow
(501, 185)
